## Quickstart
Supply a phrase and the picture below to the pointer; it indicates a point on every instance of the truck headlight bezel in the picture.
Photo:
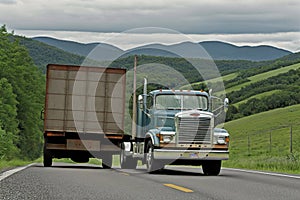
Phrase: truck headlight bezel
(166, 136)
(221, 137)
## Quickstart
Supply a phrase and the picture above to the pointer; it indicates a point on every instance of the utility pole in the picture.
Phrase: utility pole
(133, 131)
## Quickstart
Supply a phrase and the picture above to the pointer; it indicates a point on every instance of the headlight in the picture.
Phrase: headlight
(221, 136)
(166, 137)
(221, 139)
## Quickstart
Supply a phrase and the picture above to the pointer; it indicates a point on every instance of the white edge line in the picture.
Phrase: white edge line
(13, 171)
(264, 173)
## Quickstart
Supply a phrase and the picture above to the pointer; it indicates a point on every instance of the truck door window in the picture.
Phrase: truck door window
(149, 102)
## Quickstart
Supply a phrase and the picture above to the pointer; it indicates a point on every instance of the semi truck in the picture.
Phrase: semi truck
(176, 127)
(169, 127)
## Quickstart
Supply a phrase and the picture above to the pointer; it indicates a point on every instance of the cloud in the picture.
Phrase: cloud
(8, 1)
(240, 22)
(205, 16)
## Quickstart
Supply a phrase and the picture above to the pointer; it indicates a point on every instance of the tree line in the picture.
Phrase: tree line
(21, 101)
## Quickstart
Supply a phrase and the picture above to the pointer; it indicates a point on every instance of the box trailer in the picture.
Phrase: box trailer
(83, 113)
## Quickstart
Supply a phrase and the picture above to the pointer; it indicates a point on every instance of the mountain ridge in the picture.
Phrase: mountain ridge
(217, 50)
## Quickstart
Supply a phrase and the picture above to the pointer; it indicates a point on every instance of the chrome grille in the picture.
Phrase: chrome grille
(194, 131)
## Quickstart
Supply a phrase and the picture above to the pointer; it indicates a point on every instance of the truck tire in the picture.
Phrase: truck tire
(47, 161)
(211, 167)
(107, 161)
(127, 162)
(152, 164)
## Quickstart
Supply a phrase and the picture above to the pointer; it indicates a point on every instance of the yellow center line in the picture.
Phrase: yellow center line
(176, 187)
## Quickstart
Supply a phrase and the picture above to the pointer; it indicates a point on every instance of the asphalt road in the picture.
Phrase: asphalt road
(69, 181)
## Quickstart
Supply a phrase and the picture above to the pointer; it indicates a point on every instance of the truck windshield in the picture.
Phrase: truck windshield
(181, 102)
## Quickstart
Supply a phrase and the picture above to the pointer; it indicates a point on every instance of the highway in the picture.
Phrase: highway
(74, 181)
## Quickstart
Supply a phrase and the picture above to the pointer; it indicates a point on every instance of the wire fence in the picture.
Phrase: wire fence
(282, 140)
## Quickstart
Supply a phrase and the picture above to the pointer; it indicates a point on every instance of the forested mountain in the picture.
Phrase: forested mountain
(43, 54)
(21, 100)
(242, 68)
(217, 50)
(226, 51)
(107, 52)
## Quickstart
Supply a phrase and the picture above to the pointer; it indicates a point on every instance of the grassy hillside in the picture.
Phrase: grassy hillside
(262, 141)
(226, 77)
(258, 96)
(214, 80)
(263, 76)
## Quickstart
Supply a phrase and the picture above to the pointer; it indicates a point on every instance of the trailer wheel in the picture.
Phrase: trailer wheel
(107, 161)
(152, 164)
(47, 161)
(211, 167)
(127, 162)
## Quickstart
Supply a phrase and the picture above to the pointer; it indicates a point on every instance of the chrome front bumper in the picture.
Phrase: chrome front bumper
(207, 154)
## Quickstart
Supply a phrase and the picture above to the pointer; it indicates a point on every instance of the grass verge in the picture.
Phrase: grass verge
(263, 141)
(281, 164)
(6, 165)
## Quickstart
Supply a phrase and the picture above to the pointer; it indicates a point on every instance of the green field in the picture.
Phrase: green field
(214, 80)
(258, 96)
(263, 76)
(262, 141)
(224, 78)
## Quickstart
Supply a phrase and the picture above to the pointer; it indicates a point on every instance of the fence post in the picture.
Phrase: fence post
(291, 139)
(270, 142)
(248, 144)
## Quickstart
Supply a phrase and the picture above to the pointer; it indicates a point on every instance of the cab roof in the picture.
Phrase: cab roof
(178, 92)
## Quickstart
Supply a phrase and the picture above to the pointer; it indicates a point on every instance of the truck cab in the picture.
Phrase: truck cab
(177, 127)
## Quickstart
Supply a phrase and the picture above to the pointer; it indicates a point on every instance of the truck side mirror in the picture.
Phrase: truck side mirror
(210, 92)
(141, 102)
(226, 104)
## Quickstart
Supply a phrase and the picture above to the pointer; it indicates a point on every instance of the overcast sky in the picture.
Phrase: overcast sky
(242, 22)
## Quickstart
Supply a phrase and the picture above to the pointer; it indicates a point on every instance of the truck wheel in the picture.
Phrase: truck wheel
(47, 158)
(127, 162)
(211, 167)
(107, 161)
(152, 164)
